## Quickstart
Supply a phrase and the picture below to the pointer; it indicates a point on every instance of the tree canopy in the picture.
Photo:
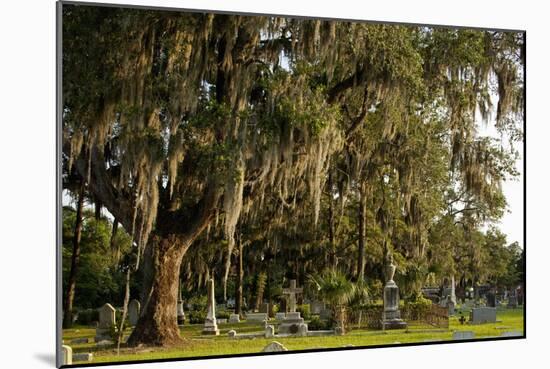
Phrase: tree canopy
(316, 144)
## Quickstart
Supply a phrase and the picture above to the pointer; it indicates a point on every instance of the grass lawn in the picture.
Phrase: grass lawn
(197, 345)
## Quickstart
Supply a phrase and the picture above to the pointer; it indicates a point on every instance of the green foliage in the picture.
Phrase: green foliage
(316, 324)
(197, 316)
(305, 311)
(99, 278)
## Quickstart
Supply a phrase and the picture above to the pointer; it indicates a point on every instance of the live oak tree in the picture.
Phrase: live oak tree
(180, 124)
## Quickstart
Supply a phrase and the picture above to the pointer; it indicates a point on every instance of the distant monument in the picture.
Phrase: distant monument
(210, 325)
(391, 317)
(293, 323)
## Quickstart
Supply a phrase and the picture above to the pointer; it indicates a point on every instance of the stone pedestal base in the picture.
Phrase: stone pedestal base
(211, 328)
(293, 323)
(394, 324)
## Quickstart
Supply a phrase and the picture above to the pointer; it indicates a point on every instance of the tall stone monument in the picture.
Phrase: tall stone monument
(210, 325)
(293, 323)
(391, 318)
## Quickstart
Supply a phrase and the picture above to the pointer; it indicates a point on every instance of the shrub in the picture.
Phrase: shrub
(198, 303)
(197, 317)
(418, 307)
(223, 314)
(304, 310)
(316, 324)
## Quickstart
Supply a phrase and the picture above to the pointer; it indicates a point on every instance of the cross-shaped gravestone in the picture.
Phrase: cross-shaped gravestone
(291, 292)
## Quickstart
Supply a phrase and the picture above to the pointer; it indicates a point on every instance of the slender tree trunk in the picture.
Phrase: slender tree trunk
(158, 325)
(362, 233)
(69, 297)
(334, 259)
(239, 284)
(115, 248)
(124, 311)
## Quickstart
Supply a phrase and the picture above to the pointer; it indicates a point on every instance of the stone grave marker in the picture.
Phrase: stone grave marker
(256, 317)
(280, 316)
(134, 308)
(87, 357)
(482, 315)
(234, 318)
(232, 333)
(274, 347)
(463, 335)
(269, 331)
(293, 323)
(511, 334)
(67, 355)
(210, 324)
(107, 321)
(391, 317)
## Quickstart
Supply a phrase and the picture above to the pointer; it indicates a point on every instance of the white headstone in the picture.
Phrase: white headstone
(269, 331)
(234, 318)
(232, 333)
(67, 353)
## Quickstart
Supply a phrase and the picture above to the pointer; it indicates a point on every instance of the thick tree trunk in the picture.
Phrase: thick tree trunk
(157, 324)
(69, 297)
(362, 234)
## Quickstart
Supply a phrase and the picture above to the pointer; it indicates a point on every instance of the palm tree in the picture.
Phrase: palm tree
(338, 291)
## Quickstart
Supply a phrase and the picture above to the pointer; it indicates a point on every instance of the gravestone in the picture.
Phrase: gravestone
(269, 331)
(67, 355)
(293, 323)
(274, 347)
(232, 333)
(264, 308)
(222, 321)
(451, 307)
(180, 313)
(280, 316)
(133, 312)
(107, 322)
(256, 317)
(483, 315)
(210, 325)
(463, 335)
(87, 356)
(234, 318)
(291, 293)
(512, 302)
(316, 307)
(391, 317)
(511, 334)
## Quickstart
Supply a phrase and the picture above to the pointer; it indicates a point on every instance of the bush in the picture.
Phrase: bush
(198, 303)
(197, 317)
(316, 324)
(223, 314)
(418, 307)
(304, 310)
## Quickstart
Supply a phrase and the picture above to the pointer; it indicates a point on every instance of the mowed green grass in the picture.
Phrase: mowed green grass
(197, 345)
